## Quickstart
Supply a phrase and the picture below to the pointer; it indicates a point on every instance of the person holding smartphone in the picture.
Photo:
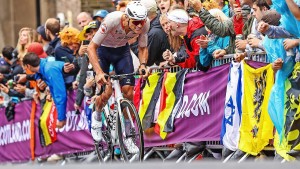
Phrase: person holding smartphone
(85, 36)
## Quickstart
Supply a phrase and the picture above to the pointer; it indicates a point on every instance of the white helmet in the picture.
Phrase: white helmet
(135, 10)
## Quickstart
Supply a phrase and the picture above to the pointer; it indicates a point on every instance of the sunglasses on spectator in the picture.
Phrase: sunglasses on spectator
(136, 23)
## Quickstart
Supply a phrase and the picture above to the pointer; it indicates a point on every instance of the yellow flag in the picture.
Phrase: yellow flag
(162, 118)
(256, 126)
(147, 94)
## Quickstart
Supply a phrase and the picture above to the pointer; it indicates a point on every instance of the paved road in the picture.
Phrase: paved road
(159, 165)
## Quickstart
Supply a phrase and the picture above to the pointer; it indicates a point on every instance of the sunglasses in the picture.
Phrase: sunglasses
(136, 23)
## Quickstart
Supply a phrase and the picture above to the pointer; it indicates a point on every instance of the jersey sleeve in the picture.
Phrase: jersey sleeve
(106, 26)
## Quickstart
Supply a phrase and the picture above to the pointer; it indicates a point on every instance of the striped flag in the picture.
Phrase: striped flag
(233, 108)
(150, 97)
(48, 124)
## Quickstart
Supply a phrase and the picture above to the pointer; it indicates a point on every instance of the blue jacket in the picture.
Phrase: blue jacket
(216, 43)
(52, 74)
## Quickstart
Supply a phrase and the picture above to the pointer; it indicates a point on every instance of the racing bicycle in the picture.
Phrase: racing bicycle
(121, 128)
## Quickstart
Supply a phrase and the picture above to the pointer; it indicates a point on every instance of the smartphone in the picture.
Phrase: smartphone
(65, 59)
(85, 42)
(90, 74)
(16, 79)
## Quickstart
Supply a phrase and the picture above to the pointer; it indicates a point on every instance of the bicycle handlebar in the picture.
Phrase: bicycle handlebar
(120, 76)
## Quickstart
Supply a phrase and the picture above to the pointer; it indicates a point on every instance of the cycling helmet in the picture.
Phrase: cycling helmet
(135, 10)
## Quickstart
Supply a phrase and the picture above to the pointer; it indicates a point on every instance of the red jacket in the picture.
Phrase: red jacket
(238, 25)
(192, 48)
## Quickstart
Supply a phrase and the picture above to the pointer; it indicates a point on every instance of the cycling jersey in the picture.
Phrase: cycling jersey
(112, 34)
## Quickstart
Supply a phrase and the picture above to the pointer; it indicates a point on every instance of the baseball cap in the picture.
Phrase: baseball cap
(101, 13)
(41, 30)
(149, 4)
(179, 16)
(271, 17)
(37, 48)
(91, 25)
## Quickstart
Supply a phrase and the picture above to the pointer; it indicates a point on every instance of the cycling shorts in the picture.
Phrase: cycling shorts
(120, 58)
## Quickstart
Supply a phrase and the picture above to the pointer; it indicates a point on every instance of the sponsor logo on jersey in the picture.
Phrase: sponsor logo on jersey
(103, 28)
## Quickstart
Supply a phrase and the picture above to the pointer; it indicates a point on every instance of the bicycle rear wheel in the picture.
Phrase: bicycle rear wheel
(130, 133)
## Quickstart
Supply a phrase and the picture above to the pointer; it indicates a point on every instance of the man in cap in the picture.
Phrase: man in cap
(85, 36)
(190, 29)
(52, 74)
(42, 37)
(37, 48)
(100, 15)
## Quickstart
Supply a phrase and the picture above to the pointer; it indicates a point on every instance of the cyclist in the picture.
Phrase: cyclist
(110, 46)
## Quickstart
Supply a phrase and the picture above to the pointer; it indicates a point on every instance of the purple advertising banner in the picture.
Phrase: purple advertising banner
(15, 135)
(200, 116)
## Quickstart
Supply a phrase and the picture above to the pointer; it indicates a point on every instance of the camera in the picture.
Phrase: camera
(16, 79)
(90, 74)
(85, 42)
(65, 59)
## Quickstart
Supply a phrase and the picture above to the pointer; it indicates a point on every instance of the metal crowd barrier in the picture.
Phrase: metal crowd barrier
(258, 56)
(210, 145)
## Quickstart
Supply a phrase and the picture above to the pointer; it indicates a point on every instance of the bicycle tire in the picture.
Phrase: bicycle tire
(105, 155)
(138, 127)
(98, 149)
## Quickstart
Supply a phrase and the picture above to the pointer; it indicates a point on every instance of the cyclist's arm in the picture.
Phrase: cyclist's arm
(143, 42)
(143, 55)
(92, 54)
(97, 40)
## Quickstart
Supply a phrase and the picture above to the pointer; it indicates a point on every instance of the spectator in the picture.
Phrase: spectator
(157, 38)
(164, 5)
(100, 15)
(26, 36)
(83, 19)
(191, 30)
(69, 45)
(42, 38)
(67, 53)
(225, 7)
(38, 85)
(52, 29)
(87, 33)
(294, 8)
(212, 43)
(52, 74)
(122, 5)
(225, 28)
(37, 48)
(13, 62)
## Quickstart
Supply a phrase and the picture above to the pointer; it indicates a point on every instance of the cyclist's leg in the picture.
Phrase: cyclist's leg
(124, 65)
(104, 61)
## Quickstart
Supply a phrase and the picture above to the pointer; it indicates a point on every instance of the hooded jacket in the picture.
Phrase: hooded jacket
(194, 30)
(52, 74)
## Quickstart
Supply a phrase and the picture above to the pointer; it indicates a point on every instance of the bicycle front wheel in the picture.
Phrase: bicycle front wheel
(130, 133)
